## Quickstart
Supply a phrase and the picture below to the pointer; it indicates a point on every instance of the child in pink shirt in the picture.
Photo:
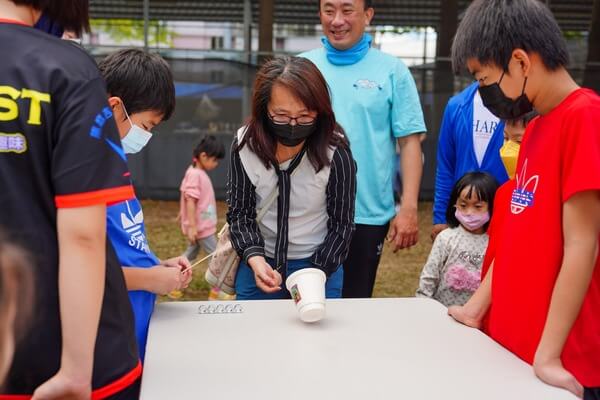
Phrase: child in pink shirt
(198, 208)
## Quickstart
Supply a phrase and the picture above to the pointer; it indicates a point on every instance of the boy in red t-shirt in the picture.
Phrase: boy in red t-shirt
(542, 293)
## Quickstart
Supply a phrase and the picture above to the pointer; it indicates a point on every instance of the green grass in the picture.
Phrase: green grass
(398, 274)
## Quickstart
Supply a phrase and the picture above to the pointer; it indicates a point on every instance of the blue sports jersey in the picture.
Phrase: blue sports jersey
(127, 233)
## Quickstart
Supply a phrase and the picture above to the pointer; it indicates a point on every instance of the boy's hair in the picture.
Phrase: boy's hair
(480, 184)
(16, 288)
(491, 29)
(525, 118)
(142, 80)
(72, 15)
(211, 146)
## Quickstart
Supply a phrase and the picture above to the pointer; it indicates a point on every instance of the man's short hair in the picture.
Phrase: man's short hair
(492, 29)
(368, 4)
(142, 80)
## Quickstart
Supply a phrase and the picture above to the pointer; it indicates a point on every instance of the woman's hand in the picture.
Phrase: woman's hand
(267, 279)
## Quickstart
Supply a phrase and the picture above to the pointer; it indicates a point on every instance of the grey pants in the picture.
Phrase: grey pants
(209, 244)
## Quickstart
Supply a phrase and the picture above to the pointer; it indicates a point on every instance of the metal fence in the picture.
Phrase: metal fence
(213, 97)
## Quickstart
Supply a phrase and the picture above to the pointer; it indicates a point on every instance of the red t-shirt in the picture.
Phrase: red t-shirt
(501, 208)
(559, 157)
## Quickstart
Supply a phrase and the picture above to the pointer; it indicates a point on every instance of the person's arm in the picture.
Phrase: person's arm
(87, 170)
(191, 190)
(430, 275)
(245, 234)
(190, 206)
(404, 229)
(159, 279)
(473, 312)
(445, 169)
(241, 214)
(408, 127)
(581, 227)
(82, 268)
(341, 195)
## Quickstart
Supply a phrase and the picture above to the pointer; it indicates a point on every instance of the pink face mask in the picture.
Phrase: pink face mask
(472, 222)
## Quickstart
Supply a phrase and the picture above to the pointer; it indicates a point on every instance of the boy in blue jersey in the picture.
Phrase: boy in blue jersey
(375, 100)
(142, 95)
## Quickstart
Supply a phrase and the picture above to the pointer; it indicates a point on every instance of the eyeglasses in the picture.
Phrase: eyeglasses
(284, 119)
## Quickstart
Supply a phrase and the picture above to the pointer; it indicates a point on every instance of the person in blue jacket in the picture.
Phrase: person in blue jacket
(470, 140)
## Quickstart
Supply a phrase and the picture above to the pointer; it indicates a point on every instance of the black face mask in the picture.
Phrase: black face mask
(291, 135)
(504, 107)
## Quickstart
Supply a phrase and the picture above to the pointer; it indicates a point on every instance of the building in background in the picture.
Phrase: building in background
(214, 71)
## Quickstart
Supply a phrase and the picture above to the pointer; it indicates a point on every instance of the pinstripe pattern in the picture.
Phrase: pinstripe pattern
(340, 199)
(241, 215)
(341, 193)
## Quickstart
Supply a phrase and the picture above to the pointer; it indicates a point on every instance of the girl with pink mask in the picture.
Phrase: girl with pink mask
(453, 269)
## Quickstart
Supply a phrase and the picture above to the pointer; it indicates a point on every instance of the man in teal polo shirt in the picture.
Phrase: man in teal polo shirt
(376, 101)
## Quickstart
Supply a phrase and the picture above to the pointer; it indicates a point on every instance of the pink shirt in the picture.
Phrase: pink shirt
(197, 185)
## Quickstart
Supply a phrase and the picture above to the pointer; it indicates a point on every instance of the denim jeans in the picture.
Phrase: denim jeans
(246, 289)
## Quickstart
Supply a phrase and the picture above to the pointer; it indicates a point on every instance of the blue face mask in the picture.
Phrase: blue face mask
(45, 24)
(135, 139)
(350, 56)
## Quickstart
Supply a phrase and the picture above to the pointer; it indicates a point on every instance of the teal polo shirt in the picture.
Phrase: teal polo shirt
(376, 102)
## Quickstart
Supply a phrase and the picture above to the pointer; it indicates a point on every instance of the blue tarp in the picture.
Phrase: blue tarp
(212, 90)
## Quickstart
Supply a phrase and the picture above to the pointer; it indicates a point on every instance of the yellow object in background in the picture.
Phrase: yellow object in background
(217, 294)
(509, 153)
(175, 294)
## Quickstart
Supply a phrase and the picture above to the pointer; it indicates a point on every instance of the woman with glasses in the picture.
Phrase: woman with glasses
(291, 146)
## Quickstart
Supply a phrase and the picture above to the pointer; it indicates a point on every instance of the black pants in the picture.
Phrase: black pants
(591, 393)
(360, 268)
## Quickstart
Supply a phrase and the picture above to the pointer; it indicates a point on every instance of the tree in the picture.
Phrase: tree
(125, 30)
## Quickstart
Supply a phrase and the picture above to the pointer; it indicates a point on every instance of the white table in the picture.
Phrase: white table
(364, 349)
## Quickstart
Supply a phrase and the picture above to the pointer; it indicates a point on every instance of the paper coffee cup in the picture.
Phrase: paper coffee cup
(307, 287)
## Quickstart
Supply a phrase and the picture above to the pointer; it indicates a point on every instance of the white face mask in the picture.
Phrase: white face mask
(136, 138)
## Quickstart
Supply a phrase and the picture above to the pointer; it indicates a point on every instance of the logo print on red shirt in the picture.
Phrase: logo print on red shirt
(524, 193)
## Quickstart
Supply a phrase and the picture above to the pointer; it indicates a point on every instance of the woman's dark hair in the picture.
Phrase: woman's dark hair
(303, 79)
(16, 288)
(142, 80)
(211, 146)
(72, 15)
(492, 29)
(480, 184)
